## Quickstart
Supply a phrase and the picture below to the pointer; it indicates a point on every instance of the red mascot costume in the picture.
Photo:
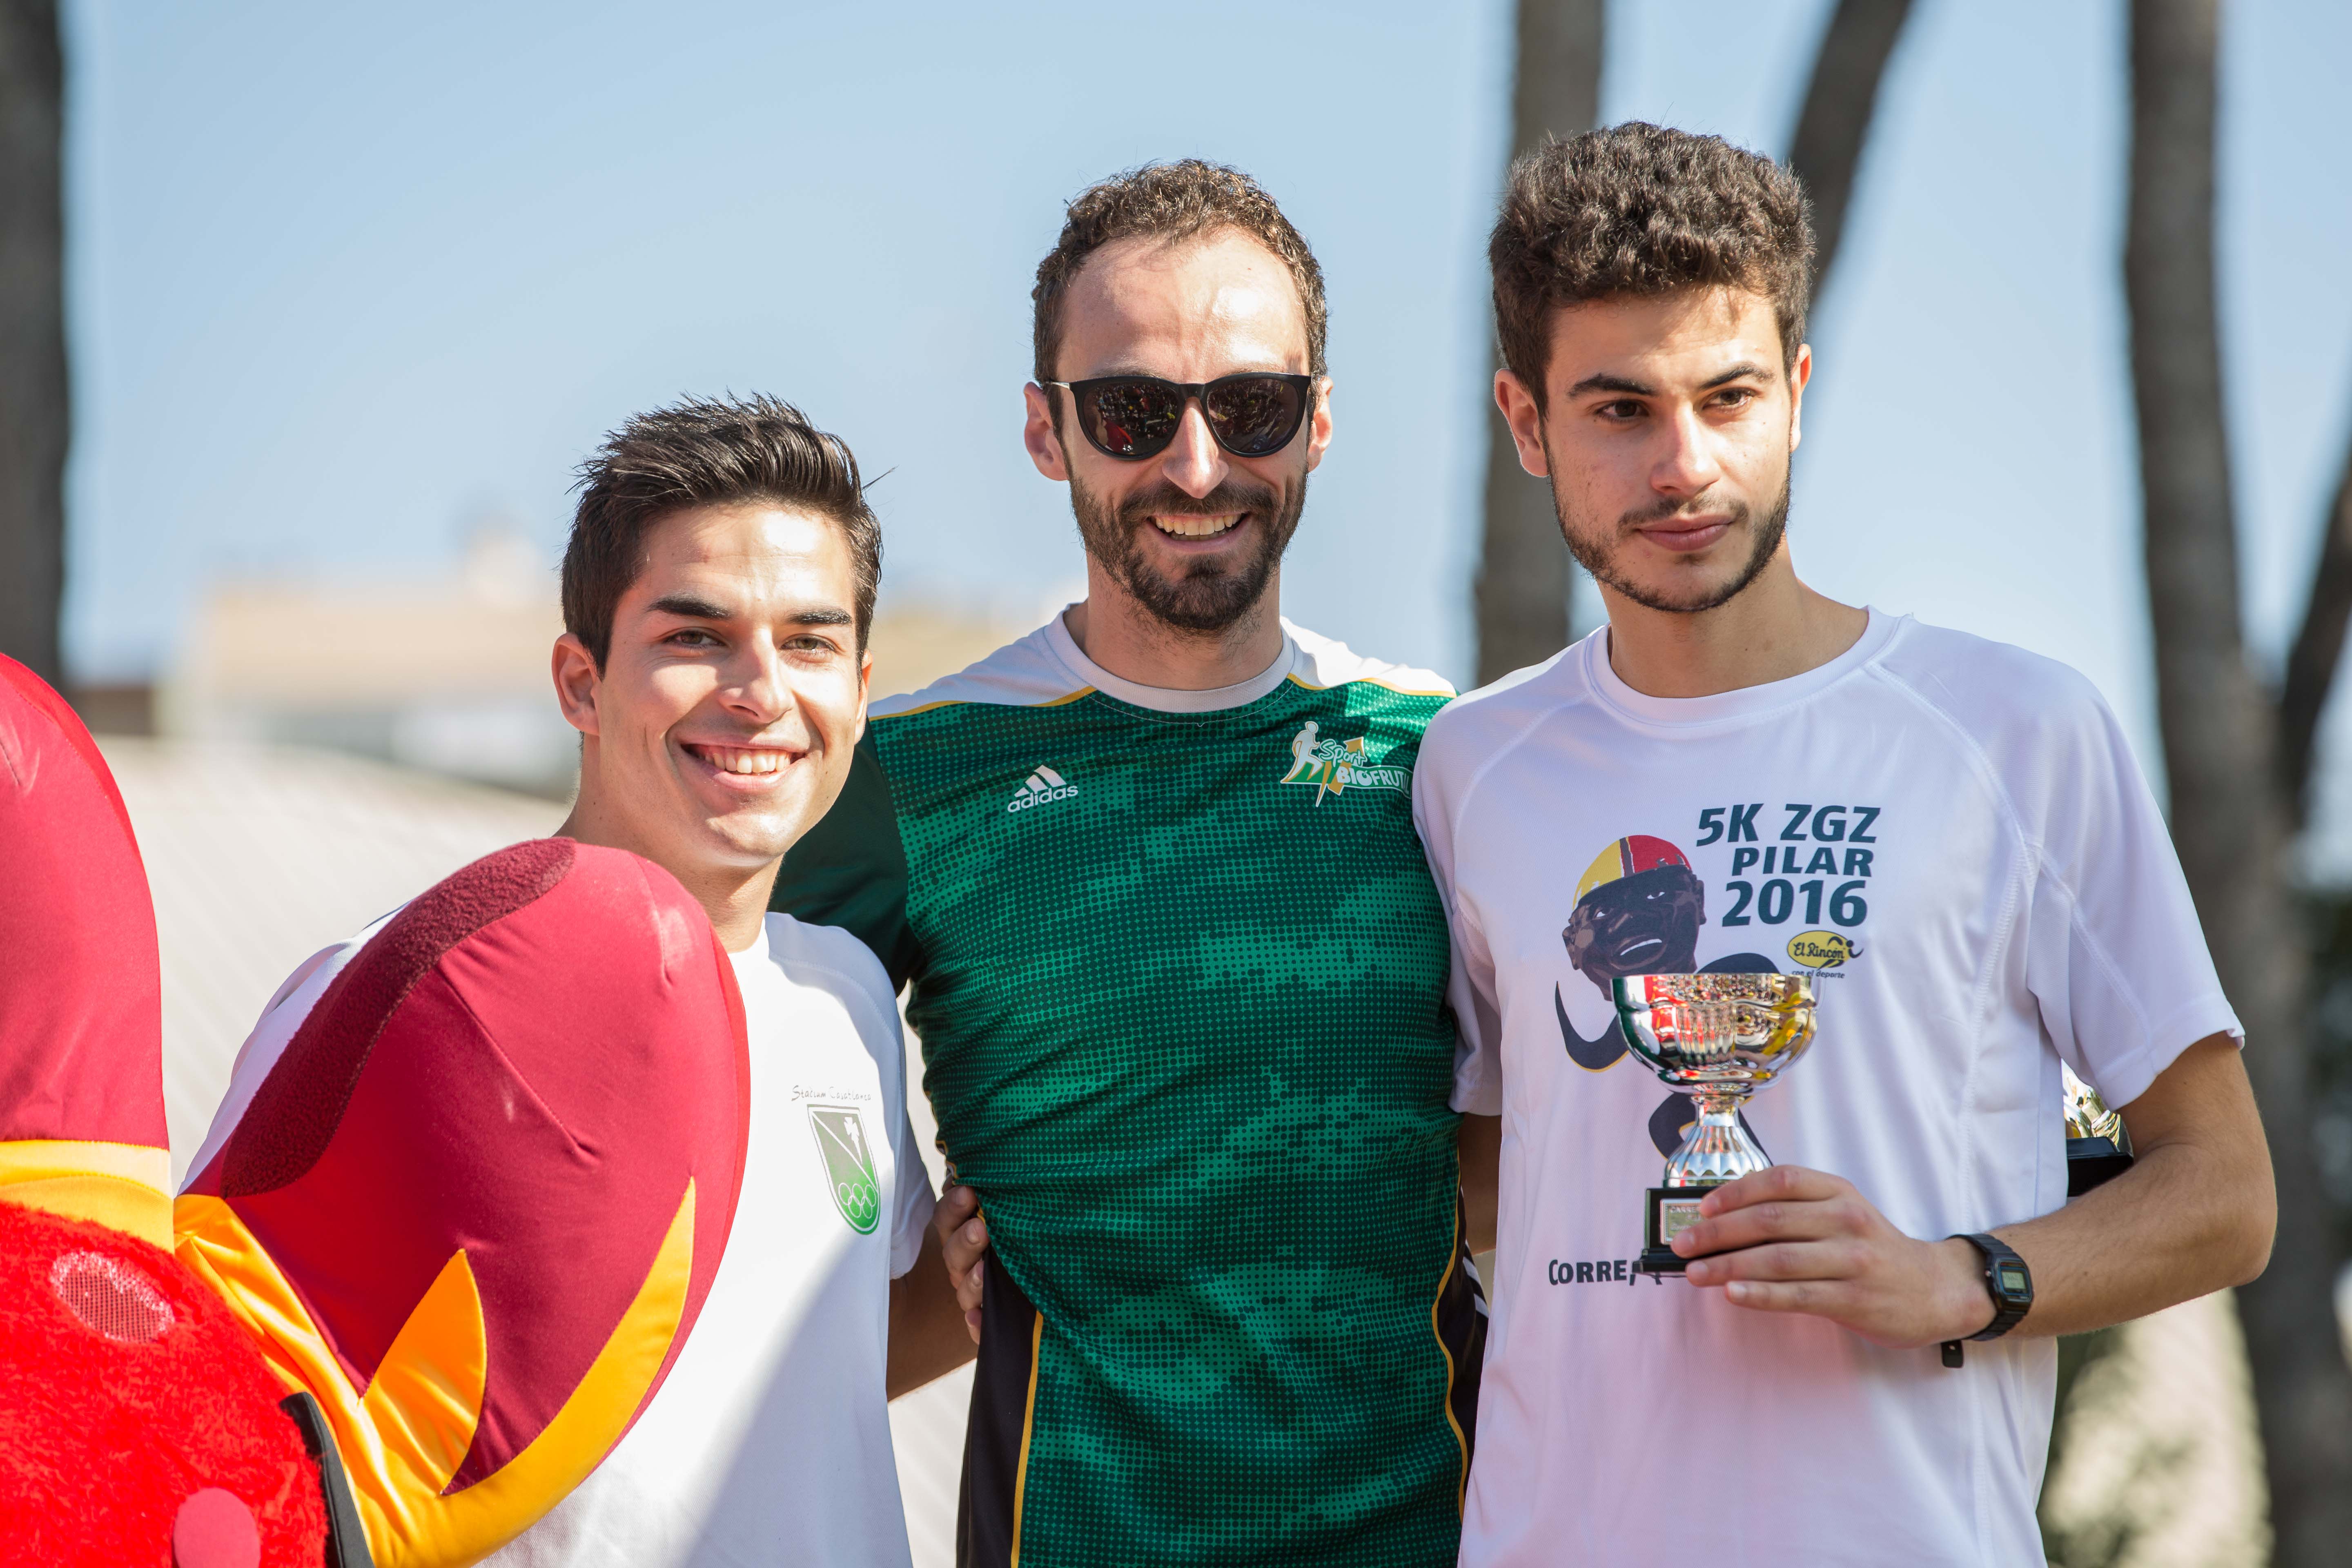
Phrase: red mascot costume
(138, 1422)
(470, 1188)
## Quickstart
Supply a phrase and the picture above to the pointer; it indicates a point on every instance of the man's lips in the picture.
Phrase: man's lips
(740, 767)
(1193, 530)
(1685, 535)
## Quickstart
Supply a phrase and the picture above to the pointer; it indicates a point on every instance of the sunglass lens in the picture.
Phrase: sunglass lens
(1132, 418)
(1254, 415)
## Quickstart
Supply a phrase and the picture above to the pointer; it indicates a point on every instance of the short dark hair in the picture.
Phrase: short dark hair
(1170, 201)
(706, 452)
(1642, 210)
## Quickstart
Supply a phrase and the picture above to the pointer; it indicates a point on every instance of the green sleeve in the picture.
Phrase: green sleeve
(850, 869)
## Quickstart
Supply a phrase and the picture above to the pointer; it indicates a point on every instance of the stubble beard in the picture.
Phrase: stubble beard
(1598, 556)
(1210, 595)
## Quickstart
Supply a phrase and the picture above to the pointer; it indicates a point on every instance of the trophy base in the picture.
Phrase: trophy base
(1668, 1213)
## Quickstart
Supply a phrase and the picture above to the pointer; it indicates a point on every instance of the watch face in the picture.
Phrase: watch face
(2015, 1281)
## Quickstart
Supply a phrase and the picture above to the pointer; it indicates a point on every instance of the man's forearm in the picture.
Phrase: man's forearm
(928, 1340)
(2192, 1216)
(1480, 1145)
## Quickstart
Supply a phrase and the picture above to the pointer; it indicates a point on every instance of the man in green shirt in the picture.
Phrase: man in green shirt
(1176, 959)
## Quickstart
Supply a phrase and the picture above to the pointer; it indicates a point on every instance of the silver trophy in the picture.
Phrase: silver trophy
(1717, 1038)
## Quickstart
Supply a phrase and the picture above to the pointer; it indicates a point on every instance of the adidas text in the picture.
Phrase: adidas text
(1040, 787)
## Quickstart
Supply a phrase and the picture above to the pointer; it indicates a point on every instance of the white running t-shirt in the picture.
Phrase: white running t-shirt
(1952, 835)
(770, 1441)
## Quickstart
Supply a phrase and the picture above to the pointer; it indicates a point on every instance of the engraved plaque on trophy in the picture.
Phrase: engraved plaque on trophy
(1717, 1038)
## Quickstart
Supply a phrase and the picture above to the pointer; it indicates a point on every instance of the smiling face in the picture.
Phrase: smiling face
(721, 727)
(1667, 431)
(1194, 535)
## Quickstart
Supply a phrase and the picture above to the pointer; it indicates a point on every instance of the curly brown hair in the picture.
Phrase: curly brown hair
(1172, 202)
(1642, 210)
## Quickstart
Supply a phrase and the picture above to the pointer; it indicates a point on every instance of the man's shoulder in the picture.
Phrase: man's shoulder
(830, 958)
(1325, 662)
(1025, 673)
(1989, 689)
(1481, 717)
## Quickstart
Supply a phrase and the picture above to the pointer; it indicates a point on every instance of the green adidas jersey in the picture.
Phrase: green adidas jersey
(1179, 978)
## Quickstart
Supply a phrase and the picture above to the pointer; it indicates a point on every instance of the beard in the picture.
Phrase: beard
(1600, 556)
(1206, 595)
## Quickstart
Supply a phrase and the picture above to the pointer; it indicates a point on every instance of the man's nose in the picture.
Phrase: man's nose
(757, 688)
(1688, 462)
(1193, 462)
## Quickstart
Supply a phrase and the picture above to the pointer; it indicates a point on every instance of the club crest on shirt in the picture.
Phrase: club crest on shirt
(1332, 766)
(848, 1165)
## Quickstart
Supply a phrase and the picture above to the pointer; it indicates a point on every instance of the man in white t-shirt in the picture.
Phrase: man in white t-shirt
(1739, 775)
(717, 593)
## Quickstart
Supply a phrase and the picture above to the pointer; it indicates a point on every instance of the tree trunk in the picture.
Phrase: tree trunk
(2219, 726)
(1835, 121)
(33, 402)
(1521, 593)
(2318, 650)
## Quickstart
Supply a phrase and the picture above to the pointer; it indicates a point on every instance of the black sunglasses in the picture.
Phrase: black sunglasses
(1252, 415)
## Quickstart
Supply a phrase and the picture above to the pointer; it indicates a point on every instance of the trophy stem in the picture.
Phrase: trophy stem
(1717, 1148)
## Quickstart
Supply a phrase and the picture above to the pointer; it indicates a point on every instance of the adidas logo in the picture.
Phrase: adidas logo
(1039, 787)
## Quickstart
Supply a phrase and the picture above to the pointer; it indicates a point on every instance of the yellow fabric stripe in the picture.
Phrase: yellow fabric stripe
(1453, 1261)
(962, 701)
(1373, 680)
(123, 1187)
(1028, 1426)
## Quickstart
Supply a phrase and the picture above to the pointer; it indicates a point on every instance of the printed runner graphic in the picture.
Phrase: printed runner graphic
(848, 1165)
(1332, 766)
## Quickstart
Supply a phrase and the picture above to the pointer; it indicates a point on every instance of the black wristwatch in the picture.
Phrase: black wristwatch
(2010, 1283)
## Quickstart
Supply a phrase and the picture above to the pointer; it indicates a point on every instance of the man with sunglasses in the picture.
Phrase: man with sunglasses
(1176, 959)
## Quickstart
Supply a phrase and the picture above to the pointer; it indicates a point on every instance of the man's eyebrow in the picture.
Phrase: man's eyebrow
(687, 605)
(1737, 372)
(697, 609)
(1611, 383)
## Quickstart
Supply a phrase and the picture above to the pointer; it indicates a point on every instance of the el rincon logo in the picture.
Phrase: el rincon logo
(848, 1165)
(1332, 766)
(1821, 948)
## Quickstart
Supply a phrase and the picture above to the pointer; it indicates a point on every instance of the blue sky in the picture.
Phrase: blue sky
(346, 279)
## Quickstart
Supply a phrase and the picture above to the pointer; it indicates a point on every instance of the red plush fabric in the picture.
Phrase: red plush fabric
(128, 1392)
(81, 997)
(528, 1062)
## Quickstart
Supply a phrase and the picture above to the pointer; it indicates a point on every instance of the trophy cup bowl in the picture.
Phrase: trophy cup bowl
(1717, 1038)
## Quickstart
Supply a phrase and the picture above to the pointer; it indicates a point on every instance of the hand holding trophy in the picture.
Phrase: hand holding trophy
(1718, 1038)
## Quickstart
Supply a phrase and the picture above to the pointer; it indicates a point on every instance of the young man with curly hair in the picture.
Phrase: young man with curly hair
(1739, 776)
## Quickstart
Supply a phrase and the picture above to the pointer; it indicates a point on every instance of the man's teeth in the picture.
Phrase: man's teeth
(1197, 527)
(729, 759)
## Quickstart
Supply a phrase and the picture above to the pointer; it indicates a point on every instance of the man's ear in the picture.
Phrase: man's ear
(1318, 429)
(576, 679)
(1526, 420)
(1801, 371)
(865, 687)
(1038, 435)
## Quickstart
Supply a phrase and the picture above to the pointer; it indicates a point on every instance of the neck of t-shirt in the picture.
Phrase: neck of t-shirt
(1743, 703)
(1165, 699)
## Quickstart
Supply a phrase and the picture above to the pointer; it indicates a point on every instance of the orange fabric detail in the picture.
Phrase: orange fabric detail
(404, 1436)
